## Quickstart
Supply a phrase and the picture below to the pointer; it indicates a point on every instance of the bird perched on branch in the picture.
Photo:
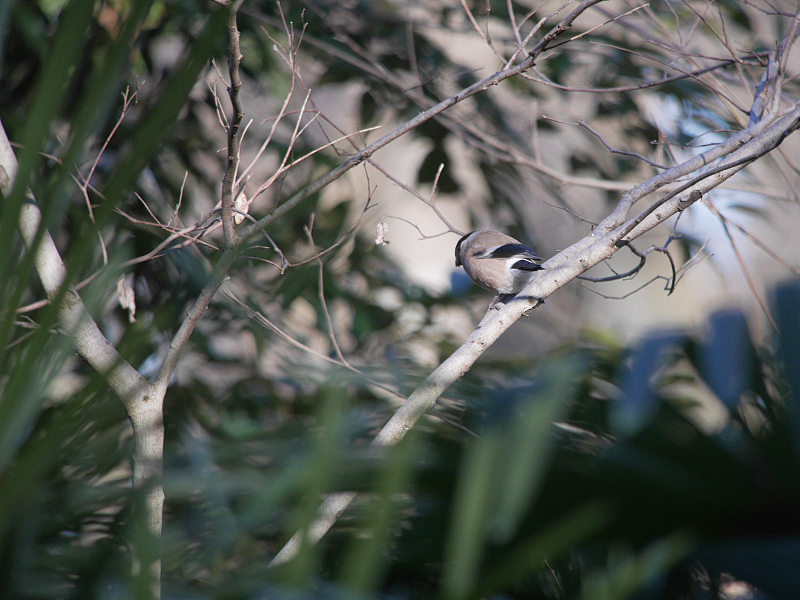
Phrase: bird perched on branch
(497, 262)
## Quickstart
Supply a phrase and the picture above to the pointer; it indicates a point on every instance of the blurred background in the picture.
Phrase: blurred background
(124, 104)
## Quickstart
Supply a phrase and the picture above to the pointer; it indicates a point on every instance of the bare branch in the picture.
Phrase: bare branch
(600, 26)
(202, 302)
(429, 201)
(745, 271)
(485, 141)
(734, 162)
(559, 270)
(484, 34)
(611, 149)
(647, 84)
(321, 294)
(262, 320)
(90, 343)
(724, 149)
(425, 115)
(769, 251)
(487, 332)
(522, 43)
(234, 60)
(140, 399)
(422, 235)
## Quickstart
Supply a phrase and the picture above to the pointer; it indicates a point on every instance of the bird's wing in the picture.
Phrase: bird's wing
(526, 265)
(520, 251)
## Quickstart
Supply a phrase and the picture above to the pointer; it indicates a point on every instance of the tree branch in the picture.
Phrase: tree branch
(142, 403)
(89, 341)
(460, 361)
(559, 270)
(421, 118)
(235, 85)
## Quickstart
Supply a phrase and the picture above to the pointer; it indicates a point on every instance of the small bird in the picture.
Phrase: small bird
(497, 262)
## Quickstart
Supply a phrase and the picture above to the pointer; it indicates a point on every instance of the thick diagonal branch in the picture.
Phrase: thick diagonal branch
(142, 404)
(559, 270)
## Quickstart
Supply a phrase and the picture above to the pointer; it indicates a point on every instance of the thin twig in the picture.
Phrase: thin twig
(321, 294)
(424, 397)
(588, 128)
(422, 117)
(743, 265)
(263, 320)
(774, 255)
(601, 25)
(422, 235)
(431, 202)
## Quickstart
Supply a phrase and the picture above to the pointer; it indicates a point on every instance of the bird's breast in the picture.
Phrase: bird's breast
(494, 275)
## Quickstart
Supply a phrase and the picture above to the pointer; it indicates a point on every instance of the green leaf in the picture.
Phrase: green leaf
(786, 300)
(639, 402)
(470, 518)
(727, 357)
(529, 440)
(162, 117)
(630, 572)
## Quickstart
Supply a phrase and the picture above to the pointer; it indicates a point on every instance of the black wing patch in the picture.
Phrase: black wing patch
(511, 251)
(526, 265)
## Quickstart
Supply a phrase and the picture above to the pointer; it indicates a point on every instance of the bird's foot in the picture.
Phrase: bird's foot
(500, 301)
(495, 304)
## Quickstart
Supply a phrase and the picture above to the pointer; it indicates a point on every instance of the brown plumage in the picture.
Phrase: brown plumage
(495, 261)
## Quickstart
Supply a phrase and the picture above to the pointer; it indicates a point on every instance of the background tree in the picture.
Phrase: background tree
(534, 119)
